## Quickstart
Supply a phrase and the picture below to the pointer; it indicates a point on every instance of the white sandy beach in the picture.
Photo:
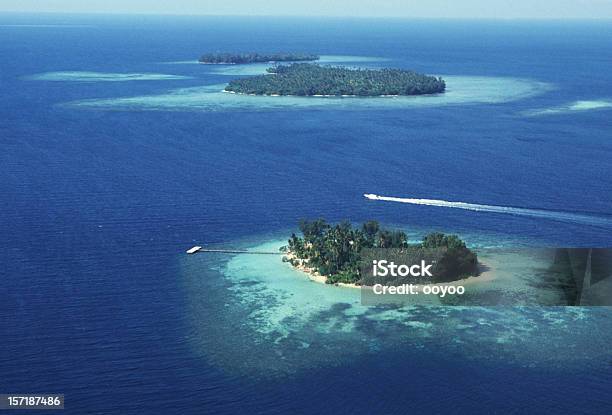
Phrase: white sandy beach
(487, 275)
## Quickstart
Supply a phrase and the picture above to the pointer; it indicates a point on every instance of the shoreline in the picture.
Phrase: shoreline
(487, 274)
(311, 273)
(331, 96)
(252, 63)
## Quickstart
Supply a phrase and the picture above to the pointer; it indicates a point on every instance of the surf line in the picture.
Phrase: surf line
(536, 213)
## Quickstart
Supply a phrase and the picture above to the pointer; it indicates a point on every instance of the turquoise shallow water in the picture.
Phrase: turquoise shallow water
(84, 76)
(580, 106)
(288, 317)
(460, 90)
(260, 68)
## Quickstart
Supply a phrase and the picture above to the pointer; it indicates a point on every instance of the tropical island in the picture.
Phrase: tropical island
(307, 79)
(334, 252)
(242, 58)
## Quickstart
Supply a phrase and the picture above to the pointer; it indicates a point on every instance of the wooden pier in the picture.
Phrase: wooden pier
(201, 249)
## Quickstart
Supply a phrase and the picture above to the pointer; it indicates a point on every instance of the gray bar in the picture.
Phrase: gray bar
(31, 401)
(507, 277)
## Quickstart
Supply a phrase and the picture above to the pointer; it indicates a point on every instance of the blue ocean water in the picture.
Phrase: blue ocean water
(98, 206)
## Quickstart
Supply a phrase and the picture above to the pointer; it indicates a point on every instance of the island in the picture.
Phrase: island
(332, 253)
(307, 79)
(242, 58)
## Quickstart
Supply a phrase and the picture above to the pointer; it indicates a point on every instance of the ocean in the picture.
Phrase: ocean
(106, 180)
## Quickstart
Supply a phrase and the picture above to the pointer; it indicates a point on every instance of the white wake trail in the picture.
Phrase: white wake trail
(536, 213)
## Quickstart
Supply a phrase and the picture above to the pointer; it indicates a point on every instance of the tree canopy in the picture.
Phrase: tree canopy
(335, 250)
(307, 79)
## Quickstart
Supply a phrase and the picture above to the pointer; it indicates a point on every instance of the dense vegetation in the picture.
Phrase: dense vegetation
(307, 79)
(335, 251)
(238, 58)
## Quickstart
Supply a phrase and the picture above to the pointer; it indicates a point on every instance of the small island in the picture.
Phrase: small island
(332, 253)
(307, 79)
(242, 58)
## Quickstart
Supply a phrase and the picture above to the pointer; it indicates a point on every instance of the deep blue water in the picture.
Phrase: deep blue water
(97, 206)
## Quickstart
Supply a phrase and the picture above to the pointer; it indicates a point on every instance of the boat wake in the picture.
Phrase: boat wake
(536, 213)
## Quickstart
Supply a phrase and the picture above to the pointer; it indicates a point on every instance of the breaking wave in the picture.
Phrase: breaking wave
(577, 106)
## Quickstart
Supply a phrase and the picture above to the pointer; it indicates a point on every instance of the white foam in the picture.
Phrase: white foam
(576, 106)
(86, 76)
(537, 213)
